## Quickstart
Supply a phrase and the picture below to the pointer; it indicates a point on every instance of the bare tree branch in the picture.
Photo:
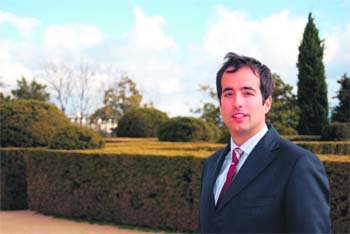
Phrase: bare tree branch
(60, 79)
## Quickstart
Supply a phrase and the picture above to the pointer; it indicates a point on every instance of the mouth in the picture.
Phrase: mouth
(239, 115)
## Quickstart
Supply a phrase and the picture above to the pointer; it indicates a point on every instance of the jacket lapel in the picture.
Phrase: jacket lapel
(257, 161)
(217, 167)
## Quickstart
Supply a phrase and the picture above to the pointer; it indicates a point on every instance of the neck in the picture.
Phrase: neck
(240, 139)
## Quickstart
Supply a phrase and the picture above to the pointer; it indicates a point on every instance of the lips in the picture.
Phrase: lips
(239, 115)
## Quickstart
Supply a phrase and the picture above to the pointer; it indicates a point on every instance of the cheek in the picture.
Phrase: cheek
(225, 105)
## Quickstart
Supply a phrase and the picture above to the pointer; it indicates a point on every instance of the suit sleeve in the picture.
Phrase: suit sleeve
(307, 197)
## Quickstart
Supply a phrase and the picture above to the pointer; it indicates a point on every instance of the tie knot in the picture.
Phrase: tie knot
(236, 154)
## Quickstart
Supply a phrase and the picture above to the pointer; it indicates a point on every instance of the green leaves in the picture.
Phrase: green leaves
(34, 90)
(312, 87)
(341, 112)
(284, 111)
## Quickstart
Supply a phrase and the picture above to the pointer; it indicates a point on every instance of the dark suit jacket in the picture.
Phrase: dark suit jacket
(280, 188)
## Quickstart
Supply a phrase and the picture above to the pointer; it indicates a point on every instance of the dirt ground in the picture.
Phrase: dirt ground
(30, 222)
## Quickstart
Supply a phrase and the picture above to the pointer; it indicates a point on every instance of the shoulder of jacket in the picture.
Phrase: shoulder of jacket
(293, 150)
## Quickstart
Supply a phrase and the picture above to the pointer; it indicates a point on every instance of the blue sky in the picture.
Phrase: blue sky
(167, 47)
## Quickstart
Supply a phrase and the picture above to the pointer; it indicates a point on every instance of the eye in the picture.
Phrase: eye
(227, 94)
(248, 93)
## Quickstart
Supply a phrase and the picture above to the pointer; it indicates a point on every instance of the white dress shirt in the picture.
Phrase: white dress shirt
(246, 147)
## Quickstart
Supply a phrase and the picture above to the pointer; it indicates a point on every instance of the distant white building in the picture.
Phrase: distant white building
(104, 126)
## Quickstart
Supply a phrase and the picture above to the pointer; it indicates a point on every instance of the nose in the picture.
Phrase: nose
(237, 101)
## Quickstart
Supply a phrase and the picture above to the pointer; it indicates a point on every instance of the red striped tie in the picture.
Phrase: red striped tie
(236, 154)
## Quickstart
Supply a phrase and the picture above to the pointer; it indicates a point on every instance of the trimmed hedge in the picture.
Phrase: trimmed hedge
(76, 137)
(26, 122)
(339, 179)
(336, 131)
(147, 191)
(156, 191)
(330, 147)
(185, 129)
(13, 180)
(213, 131)
(302, 137)
(141, 122)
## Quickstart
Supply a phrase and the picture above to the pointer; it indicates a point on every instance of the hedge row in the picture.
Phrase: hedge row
(13, 180)
(149, 190)
(339, 179)
(151, 144)
(326, 147)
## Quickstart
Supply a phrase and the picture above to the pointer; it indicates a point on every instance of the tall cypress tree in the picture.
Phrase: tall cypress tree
(312, 87)
(341, 112)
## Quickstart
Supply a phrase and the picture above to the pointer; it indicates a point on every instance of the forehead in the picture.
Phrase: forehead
(244, 75)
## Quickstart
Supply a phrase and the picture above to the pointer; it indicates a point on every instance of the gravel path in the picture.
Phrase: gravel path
(30, 222)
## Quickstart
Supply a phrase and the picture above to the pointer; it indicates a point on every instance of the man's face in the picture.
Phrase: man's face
(242, 107)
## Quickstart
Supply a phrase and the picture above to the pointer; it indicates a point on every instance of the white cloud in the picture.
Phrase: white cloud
(14, 58)
(149, 56)
(167, 74)
(273, 39)
(69, 43)
(73, 36)
(148, 34)
(337, 58)
(24, 24)
(337, 45)
(10, 72)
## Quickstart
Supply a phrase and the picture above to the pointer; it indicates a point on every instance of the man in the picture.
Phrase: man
(260, 182)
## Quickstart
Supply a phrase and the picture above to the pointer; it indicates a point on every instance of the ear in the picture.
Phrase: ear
(267, 104)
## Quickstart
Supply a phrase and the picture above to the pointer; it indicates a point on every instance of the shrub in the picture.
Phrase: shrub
(214, 133)
(13, 182)
(76, 137)
(141, 122)
(225, 135)
(25, 123)
(302, 137)
(336, 131)
(131, 188)
(184, 129)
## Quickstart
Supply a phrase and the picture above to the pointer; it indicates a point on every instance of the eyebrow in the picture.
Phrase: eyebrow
(226, 89)
(248, 88)
(243, 88)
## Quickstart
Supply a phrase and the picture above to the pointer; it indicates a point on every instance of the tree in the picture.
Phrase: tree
(83, 81)
(312, 87)
(209, 112)
(141, 122)
(118, 100)
(60, 79)
(28, 122)
(3, 96)
(284, 112)
(341, 112)
(34, 90)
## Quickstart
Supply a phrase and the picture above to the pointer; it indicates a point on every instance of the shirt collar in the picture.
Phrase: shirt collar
(249, 145)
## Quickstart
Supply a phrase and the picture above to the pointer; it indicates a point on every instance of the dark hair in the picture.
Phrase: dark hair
(259, 69)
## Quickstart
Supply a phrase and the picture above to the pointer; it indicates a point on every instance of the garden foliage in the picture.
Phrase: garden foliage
(186, 129)
(146, 190)
(27, 122)
(336, 131)
(76, 137)
(141, 122)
